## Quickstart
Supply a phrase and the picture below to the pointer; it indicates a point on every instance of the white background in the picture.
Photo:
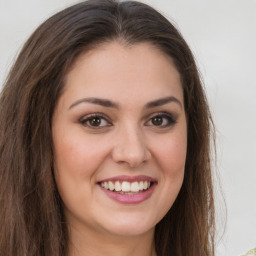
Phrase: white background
(222, 35)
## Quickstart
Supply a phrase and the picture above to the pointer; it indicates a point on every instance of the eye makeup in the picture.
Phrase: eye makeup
(95, 121)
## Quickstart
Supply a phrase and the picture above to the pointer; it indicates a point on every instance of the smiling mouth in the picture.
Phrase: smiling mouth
(126, 187)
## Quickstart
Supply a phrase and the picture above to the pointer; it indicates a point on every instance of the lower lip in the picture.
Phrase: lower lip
(130, 199)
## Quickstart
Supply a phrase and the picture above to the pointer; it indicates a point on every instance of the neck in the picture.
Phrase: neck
(92, 243)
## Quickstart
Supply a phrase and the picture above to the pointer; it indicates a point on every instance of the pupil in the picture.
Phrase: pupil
(157, 120)
(95, 122)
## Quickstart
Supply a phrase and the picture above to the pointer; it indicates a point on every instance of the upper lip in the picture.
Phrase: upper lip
(129, 178)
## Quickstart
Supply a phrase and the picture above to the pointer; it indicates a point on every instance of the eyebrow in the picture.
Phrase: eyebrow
(97, 101)
(163, 101)
(111, 104)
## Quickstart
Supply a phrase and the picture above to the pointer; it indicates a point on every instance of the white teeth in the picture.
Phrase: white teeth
(111, 185)
(145, 185)
(141, 185)
(135, 187)
(126, 186)
(118, 186)
(105, 185)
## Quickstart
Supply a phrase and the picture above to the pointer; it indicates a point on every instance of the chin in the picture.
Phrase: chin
(130, 226)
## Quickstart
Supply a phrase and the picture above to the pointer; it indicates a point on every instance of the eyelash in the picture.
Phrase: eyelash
(99, 117)
(165, 117)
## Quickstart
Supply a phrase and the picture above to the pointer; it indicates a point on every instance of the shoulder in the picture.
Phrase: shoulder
(250, 253)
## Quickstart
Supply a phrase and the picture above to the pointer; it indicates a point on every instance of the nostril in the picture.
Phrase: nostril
(131, 156)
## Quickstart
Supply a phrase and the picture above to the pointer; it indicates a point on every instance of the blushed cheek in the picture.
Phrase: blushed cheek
(173, 157)
(79, 157)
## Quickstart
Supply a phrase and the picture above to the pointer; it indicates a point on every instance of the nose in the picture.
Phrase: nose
(130, 147)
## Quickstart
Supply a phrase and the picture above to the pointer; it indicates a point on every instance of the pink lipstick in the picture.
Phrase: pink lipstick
(128, 189)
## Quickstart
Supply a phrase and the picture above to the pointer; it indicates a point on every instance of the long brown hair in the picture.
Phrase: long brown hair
(31, 217)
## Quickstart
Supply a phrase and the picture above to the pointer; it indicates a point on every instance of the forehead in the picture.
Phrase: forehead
(114, 51)
(116, 70)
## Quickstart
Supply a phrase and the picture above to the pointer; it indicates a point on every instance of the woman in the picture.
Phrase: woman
(105, 139)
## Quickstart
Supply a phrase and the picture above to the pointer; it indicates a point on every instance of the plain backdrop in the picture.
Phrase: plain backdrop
(222, 36)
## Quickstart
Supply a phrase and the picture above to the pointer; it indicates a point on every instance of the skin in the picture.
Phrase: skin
(128, 141)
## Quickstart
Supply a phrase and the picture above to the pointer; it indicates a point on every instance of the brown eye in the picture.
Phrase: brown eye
(157, 120)
(95, 121)
(161, 120)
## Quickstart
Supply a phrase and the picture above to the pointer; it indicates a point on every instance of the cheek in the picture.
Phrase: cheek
(76, 162)
(78, 155)
(171, 154)
(173, 165)
(174, 157)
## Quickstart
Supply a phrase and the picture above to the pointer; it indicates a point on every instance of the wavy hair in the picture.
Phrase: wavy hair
(31, 217)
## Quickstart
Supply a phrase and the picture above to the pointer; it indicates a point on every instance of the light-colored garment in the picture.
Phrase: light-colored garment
(250, 253)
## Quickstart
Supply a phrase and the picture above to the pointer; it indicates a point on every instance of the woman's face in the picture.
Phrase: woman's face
(120, 138)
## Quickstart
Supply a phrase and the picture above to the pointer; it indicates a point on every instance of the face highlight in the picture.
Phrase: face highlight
(120, 140)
